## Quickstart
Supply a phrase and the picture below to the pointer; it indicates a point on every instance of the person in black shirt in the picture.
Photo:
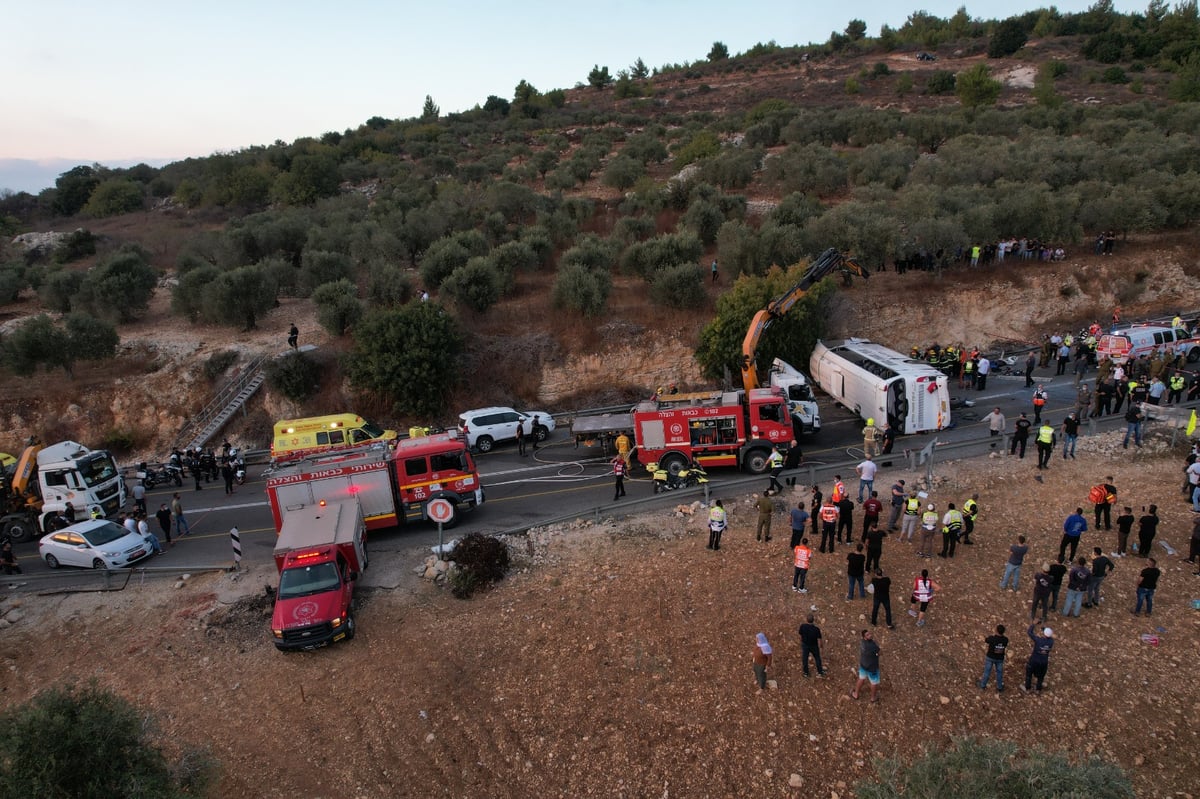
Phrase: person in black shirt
(810, 644)
(1147, 584)
(1020, 436)
(1101, 566)
(875, 539)
(997, 647)
(845, 520)
(855, 570)
(1042, 582)
(1058, 571)
(1147, 529)
(1124, 527)
(1039, 659)
(881, 587)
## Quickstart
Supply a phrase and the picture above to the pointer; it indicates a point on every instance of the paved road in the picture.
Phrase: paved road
(555, 480)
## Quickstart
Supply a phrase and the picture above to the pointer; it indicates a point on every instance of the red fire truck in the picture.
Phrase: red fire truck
(717, 428)
(393, 484)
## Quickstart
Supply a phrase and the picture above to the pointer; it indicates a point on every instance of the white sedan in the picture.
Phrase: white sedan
(94, 544)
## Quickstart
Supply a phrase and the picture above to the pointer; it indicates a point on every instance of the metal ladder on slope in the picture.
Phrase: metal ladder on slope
(228, 399)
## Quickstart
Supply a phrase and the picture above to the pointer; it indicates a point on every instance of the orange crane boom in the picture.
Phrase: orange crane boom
(829, 261)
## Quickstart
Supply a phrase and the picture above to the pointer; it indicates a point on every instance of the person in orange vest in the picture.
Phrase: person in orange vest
(839, 489)
(829, 518)
(803, 556)
(1039, 402)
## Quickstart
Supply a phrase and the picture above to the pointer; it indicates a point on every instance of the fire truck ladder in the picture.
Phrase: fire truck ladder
(228, 400)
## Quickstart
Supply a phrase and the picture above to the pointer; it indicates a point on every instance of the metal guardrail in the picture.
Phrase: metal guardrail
(87, 577)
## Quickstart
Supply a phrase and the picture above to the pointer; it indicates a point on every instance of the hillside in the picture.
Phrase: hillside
(615, 660)
(764, 158)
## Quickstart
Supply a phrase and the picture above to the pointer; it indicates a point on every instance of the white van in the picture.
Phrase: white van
(1126, 343)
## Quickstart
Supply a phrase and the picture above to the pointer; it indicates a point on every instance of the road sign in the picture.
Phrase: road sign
(440, 510)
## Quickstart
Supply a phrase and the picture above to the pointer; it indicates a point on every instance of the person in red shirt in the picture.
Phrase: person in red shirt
(871, 510)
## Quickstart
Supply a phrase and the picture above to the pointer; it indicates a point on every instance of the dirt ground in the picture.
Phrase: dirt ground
(615, 660)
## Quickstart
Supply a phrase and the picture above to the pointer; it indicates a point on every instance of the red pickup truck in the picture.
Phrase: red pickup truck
(320, 552)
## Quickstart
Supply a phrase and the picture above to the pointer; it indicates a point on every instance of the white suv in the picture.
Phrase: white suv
(484, 427)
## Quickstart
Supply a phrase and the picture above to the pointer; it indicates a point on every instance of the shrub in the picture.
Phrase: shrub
(940, 81)
(217, 364)
(989, 769)
(702, 145)
(388, 284)
(102, 744)
(582, 290)
(12, 280)
(58, 288)
(1114, 75)
(853, 86)
(338, 308)
(318, 268)
(479, 560)
(79, 244)
(295, 376)
(475, 285)
(679, 286)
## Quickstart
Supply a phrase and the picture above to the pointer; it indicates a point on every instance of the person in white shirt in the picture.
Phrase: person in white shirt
(866, 477)
(995, 421)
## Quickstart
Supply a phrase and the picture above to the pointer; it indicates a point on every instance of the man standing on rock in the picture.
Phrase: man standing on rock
(1012, 569)
(866, 477)
(871, 510)
(829, 520)
(1103, 496)
(799, 519)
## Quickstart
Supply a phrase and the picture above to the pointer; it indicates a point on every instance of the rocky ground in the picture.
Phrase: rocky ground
(615, 660)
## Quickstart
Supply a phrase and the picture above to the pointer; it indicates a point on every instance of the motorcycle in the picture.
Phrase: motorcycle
(174, 472)
(154, 475)
(687, 477)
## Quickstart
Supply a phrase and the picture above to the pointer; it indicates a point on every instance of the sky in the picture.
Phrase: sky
(125, 81)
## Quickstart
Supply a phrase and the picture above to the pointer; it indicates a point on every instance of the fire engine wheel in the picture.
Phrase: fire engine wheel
(756, 461)
(484, 443)
(674, 464)
(19, 531)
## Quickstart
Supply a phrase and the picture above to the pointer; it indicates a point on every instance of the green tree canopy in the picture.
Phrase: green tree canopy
(338, 308)
(119, 289)
(408, 355)
(791, 337)
(1007, 38)
(87, 743)
(238, 296)
(719, 52)
(598, 78)
(74, 188)
(976, 87)
(114, 197)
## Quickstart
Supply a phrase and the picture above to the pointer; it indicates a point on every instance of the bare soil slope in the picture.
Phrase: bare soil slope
(616, 661)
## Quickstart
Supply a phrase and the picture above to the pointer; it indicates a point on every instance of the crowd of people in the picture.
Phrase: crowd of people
(996, 252)
(910, 518)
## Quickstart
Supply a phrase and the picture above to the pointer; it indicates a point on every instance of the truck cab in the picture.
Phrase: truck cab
(806, 416)
(48, 480)
(320, 553)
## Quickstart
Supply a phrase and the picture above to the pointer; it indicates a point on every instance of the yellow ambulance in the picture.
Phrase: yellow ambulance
(295, 438)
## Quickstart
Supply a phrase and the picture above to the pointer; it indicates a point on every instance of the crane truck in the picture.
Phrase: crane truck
(47, 480)
(801, 402)
(726, 428)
